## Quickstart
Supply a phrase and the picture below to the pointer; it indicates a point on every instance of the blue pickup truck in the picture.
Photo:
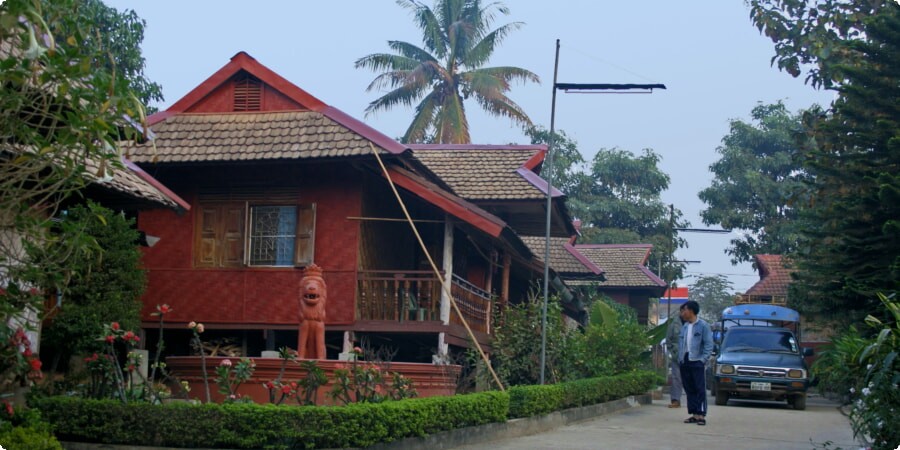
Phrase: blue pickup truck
(758, 356)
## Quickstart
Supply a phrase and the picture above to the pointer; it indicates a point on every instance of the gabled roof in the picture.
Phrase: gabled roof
(624, 264)
(133, 181)
(294, 130)
(487, 172)
(249, 136)
(564, 258)
(774, 278)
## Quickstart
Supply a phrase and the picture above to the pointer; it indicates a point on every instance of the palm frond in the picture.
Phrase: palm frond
(404, 95)
(509, 74)
(481, 52)
(411, 51)
(423, 120)
(432, 32)
(500, 105)
(386, 61)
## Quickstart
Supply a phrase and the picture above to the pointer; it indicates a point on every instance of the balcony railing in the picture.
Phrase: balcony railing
(415, 295)
(398, 295)
(474, 303)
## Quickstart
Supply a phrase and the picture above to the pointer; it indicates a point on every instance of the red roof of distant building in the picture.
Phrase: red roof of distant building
(774, 278)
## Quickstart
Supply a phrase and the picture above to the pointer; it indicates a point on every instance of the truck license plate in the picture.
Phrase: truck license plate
(756, 386)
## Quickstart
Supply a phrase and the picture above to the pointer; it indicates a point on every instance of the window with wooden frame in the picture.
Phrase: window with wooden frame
(239, 234)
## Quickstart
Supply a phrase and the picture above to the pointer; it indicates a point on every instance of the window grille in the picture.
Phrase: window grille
(272, 235)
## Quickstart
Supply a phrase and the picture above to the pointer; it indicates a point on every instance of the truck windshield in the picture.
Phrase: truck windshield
(761, 340)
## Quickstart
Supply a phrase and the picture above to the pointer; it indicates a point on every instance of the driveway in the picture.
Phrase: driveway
(741, 424)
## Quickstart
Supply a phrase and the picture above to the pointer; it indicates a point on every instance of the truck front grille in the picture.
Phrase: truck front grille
(761, 372)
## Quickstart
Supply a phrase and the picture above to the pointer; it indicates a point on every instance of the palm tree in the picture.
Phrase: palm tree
(458, 42)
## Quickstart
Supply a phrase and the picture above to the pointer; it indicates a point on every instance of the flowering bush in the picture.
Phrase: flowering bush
(877, 393)
(230, 376)
(363, 382)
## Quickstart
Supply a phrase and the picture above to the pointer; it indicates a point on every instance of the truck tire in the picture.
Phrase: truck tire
(721, 397)
(799, 402)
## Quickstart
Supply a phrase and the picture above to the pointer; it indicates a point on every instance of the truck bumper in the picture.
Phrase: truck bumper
(751, 387)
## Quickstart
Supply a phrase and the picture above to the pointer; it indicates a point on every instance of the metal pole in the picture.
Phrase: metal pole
(549, 167)
(669, 274)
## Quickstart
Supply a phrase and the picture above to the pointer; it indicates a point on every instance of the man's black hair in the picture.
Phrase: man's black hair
(693, 306)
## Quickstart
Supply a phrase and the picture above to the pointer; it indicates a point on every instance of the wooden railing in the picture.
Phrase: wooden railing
(398, 295)
(474, 304)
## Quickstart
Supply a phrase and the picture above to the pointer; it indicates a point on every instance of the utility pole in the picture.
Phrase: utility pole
(574, 88)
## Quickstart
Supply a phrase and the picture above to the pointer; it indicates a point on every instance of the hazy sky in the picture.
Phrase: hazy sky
(714, 62)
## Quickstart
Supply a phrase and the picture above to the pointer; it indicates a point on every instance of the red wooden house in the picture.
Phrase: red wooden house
(276, 180)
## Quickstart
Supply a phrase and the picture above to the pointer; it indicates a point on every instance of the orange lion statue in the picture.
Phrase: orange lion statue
(313, 293)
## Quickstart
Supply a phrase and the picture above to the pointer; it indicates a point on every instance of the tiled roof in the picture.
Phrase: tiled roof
(562, 259)
(483, 172)
(134, 182)
(623, 264)
(248, 136)
(774, 278)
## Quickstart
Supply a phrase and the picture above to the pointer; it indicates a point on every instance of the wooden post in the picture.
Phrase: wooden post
(504, 287)
(448, 270)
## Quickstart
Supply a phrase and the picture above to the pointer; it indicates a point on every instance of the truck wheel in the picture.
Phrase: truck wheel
(721, 397)
(799, 402)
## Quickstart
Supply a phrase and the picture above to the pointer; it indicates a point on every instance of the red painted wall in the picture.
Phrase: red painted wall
(255, 296)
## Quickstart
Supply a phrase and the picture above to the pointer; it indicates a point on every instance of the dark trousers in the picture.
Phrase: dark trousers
(693, 377)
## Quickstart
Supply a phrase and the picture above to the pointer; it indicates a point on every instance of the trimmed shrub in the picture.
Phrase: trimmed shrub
(266, 426)
(527, 401)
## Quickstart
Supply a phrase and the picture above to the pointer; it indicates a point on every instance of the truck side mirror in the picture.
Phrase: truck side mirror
(807, 351)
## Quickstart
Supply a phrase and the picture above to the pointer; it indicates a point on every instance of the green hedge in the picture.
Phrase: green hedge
(355, 425)
(266, 426)
(526, 401)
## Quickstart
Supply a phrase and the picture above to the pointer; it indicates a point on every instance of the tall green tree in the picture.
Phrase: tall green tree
(756, 177)
(810, 36)
(116, 42)
(106, 287)
(714, 293)
(61, 114)
(850, 244)
(458, 42)
(568, 164)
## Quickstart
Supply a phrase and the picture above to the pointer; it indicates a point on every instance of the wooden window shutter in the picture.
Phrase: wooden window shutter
(247, 94)
(206, 255)
(233, 236)
(219, 236)
(304, 243)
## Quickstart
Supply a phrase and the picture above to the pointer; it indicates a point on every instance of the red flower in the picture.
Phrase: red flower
(115, 326)
(9, 408)
(35, 364)
(285, 389)
(129, 336)
(269, 385)
(27, 352)
(110, 339)
(163, 309)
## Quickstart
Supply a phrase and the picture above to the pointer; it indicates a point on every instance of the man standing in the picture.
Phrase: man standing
(673, 335)
(695, 345)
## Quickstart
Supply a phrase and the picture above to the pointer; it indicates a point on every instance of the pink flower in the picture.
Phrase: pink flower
(114, 326)
(110, 339)
(200, 328)
(357, 350)
(286, 389)
(192, 324)
(130, 336)
(163, 309)
(225, 363)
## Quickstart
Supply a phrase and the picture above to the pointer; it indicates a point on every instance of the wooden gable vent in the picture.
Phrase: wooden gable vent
(247, 93)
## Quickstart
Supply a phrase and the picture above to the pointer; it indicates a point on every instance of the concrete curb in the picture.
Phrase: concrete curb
(461, 436)
(514, 428)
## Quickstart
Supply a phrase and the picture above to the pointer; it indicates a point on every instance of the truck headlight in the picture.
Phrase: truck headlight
(796, 373)
(726, 369)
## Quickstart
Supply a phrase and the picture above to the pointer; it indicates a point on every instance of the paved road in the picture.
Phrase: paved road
(740, 425)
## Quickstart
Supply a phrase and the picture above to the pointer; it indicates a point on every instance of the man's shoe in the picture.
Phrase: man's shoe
(675, 404)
